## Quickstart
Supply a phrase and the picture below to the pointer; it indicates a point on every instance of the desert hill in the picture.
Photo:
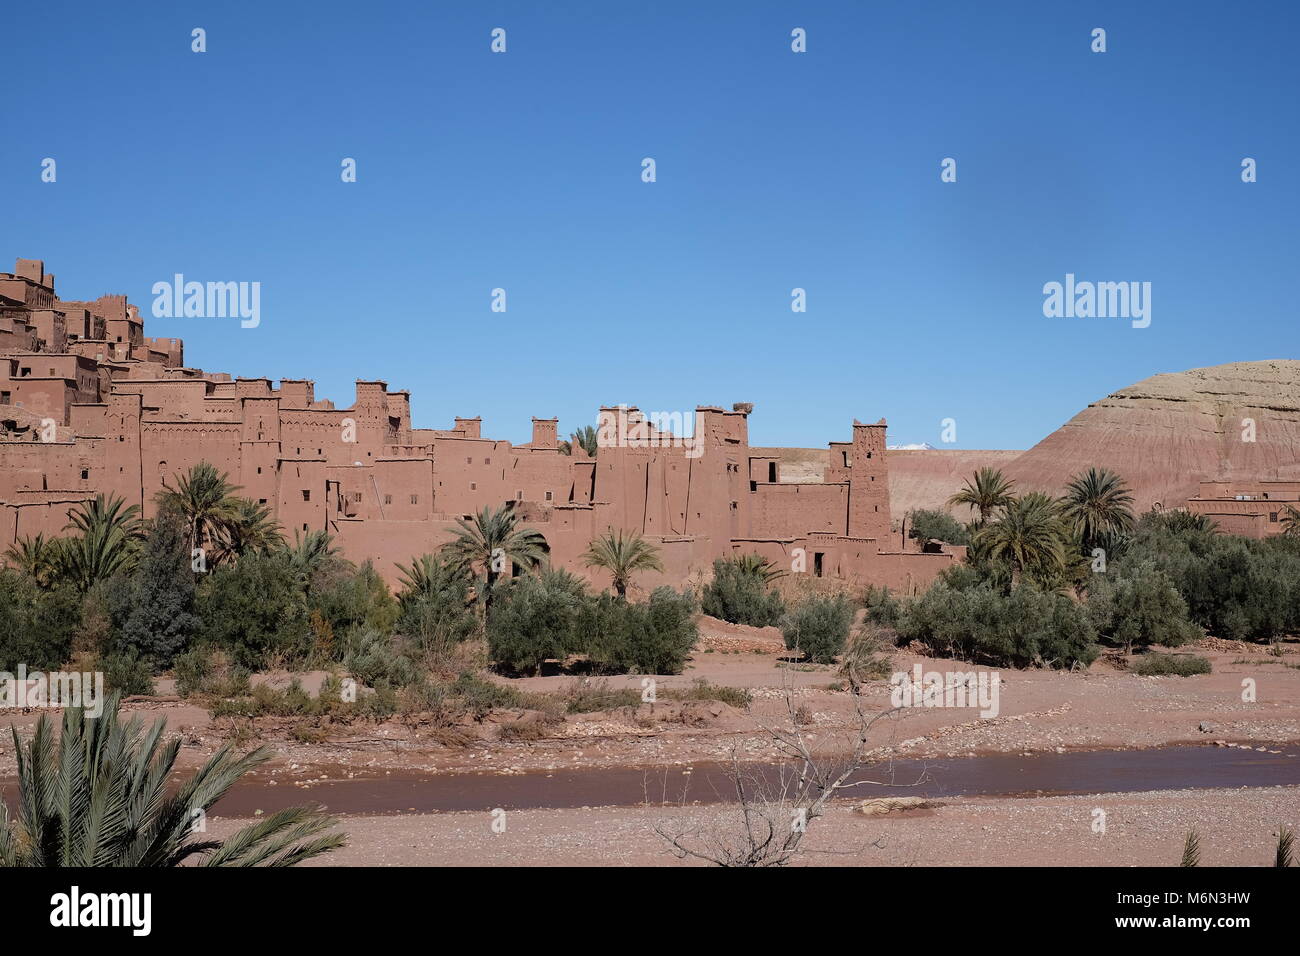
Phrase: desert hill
(1164, 434)
(1170, 431)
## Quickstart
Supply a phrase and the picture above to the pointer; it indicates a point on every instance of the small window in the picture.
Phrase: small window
(306, 495)
(469, 461)
(473, 486)
(261, 501)
(519, 496)
(388, 499)
(487, 461)
(304, 527)
(85, 473)
(415, 499)
(550, 496)
(259, 469)
(1272, 515)
(356, 496)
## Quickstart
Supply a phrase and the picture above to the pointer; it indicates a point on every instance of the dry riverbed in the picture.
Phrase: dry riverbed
(1039, 712)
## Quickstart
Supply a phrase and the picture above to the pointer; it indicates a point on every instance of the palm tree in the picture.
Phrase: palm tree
(39, 556)
(757, 566)
(1099, 505)
(1029, 537)
(585, 438)
(987, 491)
(1291, 521)
(489, 541)
(99, 797)
(109, 534)
(622, 555)
(419, 578)
(1179, 521)
(311, 552)
(562, 581)
(431, 576)
(205, 498)
(250, 528)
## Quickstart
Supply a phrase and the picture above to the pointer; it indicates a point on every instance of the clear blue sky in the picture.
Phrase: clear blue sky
(775, 170)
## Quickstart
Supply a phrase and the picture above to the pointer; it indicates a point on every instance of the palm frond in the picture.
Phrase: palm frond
(98, 796)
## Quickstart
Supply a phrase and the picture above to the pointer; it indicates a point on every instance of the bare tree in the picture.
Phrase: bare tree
(774, 805)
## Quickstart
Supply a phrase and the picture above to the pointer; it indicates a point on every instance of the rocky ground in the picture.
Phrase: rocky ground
(1237, 828)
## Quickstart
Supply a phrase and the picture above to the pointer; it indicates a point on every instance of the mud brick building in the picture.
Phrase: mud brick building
(90, 405)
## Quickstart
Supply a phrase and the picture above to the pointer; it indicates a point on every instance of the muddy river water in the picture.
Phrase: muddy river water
(1073, 772)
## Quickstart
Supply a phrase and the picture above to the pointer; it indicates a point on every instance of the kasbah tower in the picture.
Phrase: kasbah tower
(89, 405)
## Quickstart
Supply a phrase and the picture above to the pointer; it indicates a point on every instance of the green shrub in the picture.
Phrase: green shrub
(1236, 588)
(126, 672)
(739, 593)
(193, 671)
(927, 525)
(479, 697)
(36, 626)
(701, 689)
(350, 597)
(1139, 606)
(882, 607)
(985, 626)
(1155, 664)
(375, 659)
(536, 618)
(201, 670)
(651, 638)
(531, 622)
(819, 627)
(256, 610)
(963, 577)
(438, 614)
(154, 613)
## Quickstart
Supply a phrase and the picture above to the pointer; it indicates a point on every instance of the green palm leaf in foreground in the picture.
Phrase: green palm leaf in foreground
(1285, 847)
(98, 797)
